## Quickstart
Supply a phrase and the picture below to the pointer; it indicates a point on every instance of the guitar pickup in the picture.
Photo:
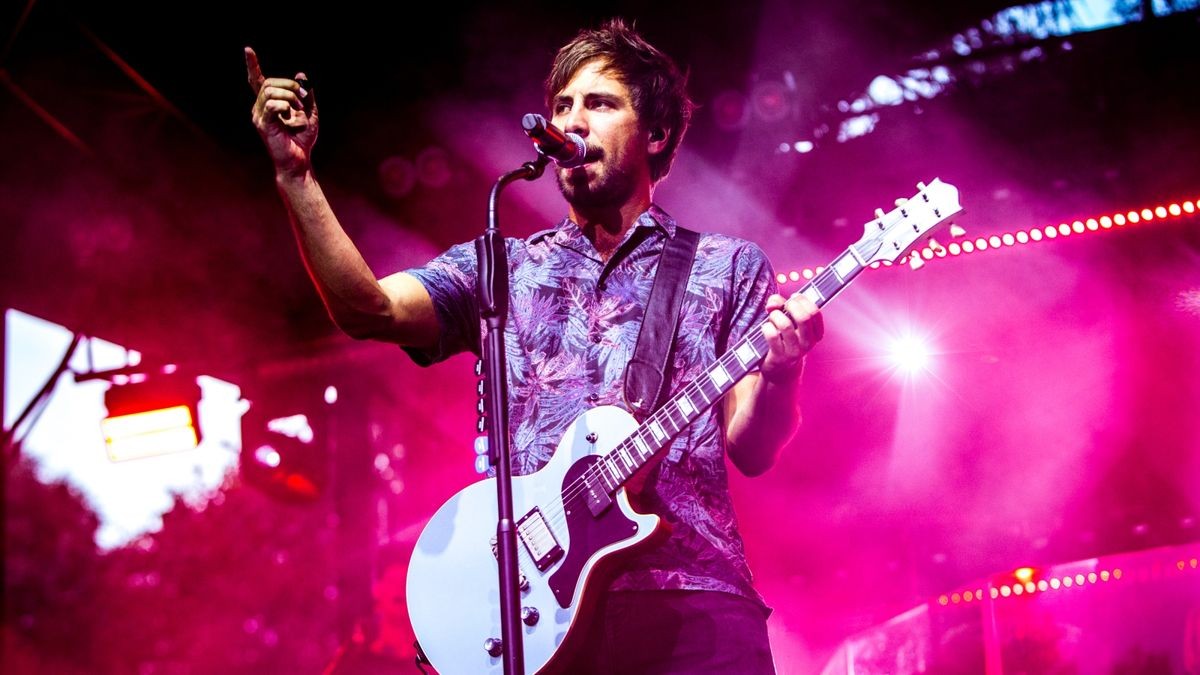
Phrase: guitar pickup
(596, 494)
(539, 540)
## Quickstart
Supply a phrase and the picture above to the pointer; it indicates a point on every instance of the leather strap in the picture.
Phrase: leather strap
(648, 371)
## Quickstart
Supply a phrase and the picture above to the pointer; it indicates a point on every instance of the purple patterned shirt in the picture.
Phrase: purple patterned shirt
(573, 324)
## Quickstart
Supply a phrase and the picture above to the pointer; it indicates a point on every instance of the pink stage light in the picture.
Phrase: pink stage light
(1035, 234)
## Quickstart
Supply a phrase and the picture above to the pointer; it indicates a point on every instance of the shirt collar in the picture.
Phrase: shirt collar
(567, 232)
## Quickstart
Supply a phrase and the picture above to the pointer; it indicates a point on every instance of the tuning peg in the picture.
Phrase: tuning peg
(921, 185)
(957, 231)
(879, 213)
(935, 246)
(902, 201)
(915, 262)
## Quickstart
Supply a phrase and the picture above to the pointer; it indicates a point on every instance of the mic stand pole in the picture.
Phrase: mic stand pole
(492, 291)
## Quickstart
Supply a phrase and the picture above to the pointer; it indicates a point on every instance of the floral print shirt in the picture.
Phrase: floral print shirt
(573, 324)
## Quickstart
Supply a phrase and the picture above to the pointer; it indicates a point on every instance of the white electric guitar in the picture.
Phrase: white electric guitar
(573, 514)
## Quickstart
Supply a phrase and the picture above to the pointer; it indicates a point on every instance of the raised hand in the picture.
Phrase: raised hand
(285, 114)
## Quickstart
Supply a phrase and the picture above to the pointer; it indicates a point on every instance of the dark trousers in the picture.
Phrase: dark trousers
(674, 632)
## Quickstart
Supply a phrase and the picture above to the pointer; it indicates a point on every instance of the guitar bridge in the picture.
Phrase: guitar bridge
(539, 540)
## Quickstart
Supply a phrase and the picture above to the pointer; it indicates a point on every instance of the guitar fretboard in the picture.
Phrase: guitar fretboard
(689, 403)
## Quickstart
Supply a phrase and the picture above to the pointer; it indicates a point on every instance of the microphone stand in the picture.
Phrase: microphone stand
(493, 295)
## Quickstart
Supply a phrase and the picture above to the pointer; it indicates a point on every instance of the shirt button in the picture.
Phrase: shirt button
(593, 397)
(596, 338)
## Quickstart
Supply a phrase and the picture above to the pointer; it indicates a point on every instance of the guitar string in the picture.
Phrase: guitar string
(555, 515)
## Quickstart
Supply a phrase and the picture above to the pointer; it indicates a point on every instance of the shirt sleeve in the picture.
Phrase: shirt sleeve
(450, 281)
(753, 282)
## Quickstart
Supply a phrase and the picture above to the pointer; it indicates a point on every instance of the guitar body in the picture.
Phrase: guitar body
(453, 578)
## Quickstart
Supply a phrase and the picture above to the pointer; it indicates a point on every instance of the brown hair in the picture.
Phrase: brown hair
(658, 86)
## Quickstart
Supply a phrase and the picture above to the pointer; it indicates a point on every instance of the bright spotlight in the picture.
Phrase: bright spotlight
(910, 354)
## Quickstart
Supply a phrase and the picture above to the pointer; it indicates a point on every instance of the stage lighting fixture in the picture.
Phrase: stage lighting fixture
(731, 110)
(770, 102)
(154, 415)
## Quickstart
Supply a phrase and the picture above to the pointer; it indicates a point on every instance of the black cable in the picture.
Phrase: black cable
(44, 393)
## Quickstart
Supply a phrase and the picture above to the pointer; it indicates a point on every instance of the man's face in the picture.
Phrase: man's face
(599, 107)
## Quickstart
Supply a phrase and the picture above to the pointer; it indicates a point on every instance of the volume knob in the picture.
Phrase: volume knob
(493, 646)
(530, 616)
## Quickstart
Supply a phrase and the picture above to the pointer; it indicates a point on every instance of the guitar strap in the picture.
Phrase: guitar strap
(648, 371)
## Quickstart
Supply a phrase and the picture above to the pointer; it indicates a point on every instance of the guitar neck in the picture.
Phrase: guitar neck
(693, 400)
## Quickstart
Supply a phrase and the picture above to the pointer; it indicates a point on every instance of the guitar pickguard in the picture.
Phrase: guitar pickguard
(588, 534)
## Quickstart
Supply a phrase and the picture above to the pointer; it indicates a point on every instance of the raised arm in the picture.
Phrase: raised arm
(394, 309)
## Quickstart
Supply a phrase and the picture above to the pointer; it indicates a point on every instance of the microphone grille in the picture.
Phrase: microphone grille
(532, 121)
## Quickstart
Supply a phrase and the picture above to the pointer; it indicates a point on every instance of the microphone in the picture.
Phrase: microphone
(568, 150)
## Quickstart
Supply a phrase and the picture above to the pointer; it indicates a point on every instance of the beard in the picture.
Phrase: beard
(611, 189)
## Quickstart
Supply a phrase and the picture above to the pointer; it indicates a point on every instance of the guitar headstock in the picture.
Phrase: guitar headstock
(892, 235)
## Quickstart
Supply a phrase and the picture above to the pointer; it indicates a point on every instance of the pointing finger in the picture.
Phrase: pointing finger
(253, 71)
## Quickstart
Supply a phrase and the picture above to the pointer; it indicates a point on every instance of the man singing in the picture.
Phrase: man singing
(579, 289)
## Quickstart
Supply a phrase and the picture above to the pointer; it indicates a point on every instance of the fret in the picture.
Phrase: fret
(733, 367)
(845, 266)
(674, 418)
(656, 430)
(827, 284)
(642, 448)
(718, 375)
(700, 388)
(686, 405)
(623, 453)
(606, 474)
(746, 354)
(813, 294)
